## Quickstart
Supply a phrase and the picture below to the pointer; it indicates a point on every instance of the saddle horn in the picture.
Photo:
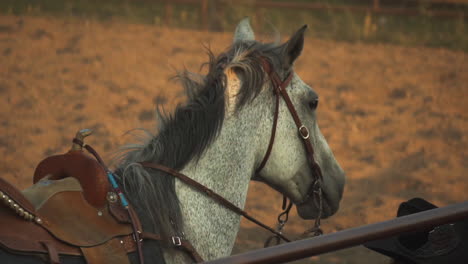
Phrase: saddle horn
(77, 164)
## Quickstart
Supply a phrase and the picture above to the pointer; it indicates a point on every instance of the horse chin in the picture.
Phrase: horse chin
(308, 209)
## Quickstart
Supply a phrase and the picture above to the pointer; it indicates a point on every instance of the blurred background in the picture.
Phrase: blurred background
(434, 23)
(392, 76)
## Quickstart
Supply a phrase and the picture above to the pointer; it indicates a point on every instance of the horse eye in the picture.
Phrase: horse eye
(313, 104)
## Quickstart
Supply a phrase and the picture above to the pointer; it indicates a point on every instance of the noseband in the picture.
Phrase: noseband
(279, 88)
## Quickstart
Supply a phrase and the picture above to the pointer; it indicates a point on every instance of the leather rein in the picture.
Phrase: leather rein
(315, 189)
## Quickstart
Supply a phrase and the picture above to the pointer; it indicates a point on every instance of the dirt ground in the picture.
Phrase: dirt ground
(395, 117)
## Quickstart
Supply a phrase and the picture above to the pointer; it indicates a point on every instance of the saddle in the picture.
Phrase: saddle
(70, 210)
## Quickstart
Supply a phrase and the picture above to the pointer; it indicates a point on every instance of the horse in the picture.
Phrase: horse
(233, 129)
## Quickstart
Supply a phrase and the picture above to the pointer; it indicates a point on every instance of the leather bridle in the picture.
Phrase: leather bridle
(279, 88)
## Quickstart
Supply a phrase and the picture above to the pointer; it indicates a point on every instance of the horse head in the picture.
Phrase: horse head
(287, 169)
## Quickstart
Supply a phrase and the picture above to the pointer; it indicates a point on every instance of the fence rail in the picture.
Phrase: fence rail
(350, 237)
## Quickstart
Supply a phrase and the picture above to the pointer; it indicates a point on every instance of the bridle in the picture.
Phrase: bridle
(315, 190)
(279, 88)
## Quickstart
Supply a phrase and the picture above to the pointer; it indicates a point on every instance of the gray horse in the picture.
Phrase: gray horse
(219, 137)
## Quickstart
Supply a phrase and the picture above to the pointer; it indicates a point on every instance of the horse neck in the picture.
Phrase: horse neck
(225, 167)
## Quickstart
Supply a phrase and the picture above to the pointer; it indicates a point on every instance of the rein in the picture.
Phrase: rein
(218, 198)
(315, 189)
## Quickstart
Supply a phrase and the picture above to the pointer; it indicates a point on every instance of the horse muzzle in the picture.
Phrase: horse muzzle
(310, 208)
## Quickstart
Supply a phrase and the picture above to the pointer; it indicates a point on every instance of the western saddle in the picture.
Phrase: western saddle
(71, 209)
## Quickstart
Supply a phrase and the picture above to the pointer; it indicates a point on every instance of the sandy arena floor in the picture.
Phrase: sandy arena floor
(395, 117)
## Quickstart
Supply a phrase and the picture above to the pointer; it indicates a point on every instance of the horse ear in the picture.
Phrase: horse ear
(244, 31)
(293, 47)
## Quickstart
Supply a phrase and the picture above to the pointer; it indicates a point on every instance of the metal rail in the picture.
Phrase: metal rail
(350, 237)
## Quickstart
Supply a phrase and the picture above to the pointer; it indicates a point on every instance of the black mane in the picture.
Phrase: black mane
(188, 131)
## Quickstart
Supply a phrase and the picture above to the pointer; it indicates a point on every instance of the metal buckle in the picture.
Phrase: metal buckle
(317, 187)
(137, 236)
(306, 136)
(176, 241)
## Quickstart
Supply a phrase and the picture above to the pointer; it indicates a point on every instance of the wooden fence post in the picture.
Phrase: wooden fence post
(376, 5)
(204, 14)
(258, 16)
(168, 13)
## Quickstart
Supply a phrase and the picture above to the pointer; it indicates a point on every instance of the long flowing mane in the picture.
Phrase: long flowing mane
(185, 134)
